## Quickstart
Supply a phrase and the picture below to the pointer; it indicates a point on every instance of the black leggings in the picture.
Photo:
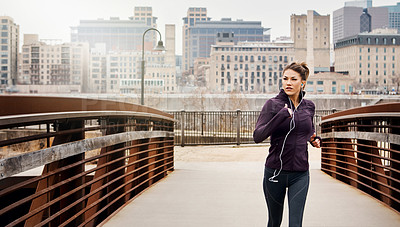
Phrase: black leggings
(297, 184)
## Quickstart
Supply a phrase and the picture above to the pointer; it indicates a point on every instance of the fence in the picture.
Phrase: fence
(221, 127)
(361, 147)
(94, 156)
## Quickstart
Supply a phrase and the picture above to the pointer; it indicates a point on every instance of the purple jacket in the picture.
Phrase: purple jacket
(274, 121)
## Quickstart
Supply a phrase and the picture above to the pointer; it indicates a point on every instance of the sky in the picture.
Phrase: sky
(52, 19)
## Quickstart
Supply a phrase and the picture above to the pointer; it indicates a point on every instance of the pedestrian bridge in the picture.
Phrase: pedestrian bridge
(80, 162)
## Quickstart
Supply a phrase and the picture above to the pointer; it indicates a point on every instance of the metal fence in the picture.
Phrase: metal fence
(221, 127)
(361, 147)
(93, 157)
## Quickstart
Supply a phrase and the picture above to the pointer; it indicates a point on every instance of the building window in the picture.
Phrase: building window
(320, 89)
(320, 82)
(333, 90)
(333, 82)
(343, 88)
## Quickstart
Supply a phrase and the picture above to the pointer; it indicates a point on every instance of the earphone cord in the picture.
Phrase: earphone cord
(292, 122)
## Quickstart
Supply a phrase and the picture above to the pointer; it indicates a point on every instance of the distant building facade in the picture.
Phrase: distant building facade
(351, 20)
(329, 83)
(371, 59)
(194, 15)
(120, 71)
(394, 16)
(118, 35)
(248, 67)
(203, 34)
(56, 64)
(9, 53)
(311, 36)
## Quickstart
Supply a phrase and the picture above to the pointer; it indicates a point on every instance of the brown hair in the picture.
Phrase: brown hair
(300, 68)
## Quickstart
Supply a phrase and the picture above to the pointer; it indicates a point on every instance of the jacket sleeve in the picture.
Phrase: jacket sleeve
(268, 121)
(312, 122)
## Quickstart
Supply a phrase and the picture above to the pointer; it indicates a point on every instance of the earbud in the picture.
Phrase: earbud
(302, 85)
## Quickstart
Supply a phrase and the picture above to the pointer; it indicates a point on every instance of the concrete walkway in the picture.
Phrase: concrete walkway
(222, 186)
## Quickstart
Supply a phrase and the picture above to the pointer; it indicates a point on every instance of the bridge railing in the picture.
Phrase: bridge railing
(221, 127)
(361, 147)
(93, 157)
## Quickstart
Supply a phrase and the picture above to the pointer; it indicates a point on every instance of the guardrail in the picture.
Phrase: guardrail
(361, 147)
(221, 127)
(94, 156)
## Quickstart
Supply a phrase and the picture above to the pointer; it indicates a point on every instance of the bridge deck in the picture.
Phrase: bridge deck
(221, 186)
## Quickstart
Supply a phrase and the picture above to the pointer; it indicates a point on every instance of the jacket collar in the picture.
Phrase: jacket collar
(283, 96)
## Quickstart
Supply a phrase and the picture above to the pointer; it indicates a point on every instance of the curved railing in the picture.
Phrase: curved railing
(361, 147)
(93, 156)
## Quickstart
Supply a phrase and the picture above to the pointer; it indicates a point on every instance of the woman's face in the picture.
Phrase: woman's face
(291, 82)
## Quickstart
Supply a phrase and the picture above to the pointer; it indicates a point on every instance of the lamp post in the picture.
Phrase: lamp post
(159, 47)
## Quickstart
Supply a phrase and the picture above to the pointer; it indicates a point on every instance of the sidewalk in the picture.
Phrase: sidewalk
(222, 186)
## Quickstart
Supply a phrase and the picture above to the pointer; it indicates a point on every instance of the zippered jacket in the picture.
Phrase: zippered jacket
(275, 122)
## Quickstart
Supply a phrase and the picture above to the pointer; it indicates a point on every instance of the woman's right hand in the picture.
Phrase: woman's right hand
(289, 110)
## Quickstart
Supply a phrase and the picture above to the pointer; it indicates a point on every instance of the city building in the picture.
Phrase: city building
(118, 35)
(201, 66)
(248, 67)
(61, 67)
(394, 16)
(203, 34)
(351, 20)
(362, 3)
(311, 36)
(120, 71)
(330, 83)
(145, 13)
(194, 14)
(370, 59)
(9, 54)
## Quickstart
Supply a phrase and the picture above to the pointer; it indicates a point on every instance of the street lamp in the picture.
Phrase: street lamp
(159, 47)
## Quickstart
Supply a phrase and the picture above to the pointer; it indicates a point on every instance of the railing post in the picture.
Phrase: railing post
(183, 122)
(238, 118)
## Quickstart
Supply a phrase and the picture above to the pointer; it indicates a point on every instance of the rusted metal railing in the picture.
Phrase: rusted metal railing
(92, 156)
(221, 127)
(361, 147)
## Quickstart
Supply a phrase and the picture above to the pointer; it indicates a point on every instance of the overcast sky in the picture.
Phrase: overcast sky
(52, 19)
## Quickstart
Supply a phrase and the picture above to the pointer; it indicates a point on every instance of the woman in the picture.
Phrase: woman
(288, 119)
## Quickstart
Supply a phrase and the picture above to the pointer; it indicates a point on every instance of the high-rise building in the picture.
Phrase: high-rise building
(351, 20)
(204, 34)
(194, 14)
(145, 13)
(248, 67)
(360, 3)
(311, 36)
(118, 35)
(120, 71)
(371, 59)
(54, 64)
(9, 53)
(394, 16)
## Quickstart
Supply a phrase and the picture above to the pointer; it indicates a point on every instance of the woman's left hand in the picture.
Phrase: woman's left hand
(315, 141)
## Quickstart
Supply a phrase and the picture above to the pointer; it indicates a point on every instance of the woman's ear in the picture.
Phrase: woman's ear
(303, 84)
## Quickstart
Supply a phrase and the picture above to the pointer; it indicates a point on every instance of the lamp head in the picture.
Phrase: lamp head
(160, 46)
